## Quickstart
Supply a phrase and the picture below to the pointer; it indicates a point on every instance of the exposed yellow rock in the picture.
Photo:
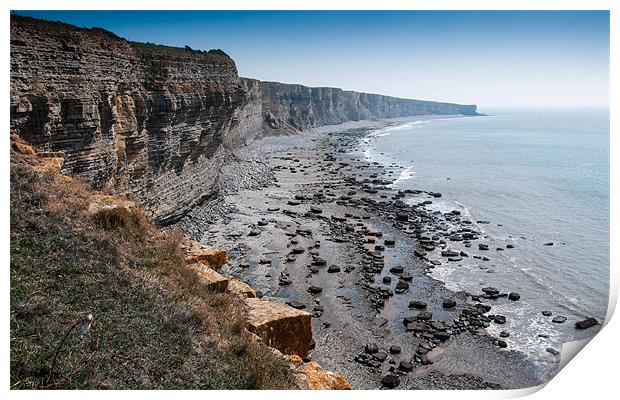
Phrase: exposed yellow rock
(318, 378)
(239, 287)
(50, 162)
(280, 326)
(210, 279)
(102, 202)
(295, 359)
(213, 257)
(23, 148)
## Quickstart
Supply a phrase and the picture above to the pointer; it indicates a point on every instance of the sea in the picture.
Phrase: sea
(526, 177)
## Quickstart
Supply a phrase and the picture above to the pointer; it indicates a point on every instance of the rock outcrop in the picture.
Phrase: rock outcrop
(213, 257)
(312, 376)
(210, 279)
(154, 122)
(279, 326)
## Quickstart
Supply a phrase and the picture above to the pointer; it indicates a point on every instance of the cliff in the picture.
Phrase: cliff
(154, 122)
(292, 107)
(147, 120)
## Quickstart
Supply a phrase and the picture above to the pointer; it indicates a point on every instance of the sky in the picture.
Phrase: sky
(488, 58)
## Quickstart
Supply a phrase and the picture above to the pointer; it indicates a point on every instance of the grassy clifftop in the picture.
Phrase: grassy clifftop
(106, 303)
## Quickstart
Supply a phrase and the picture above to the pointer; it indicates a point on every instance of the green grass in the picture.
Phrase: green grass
(152, 327)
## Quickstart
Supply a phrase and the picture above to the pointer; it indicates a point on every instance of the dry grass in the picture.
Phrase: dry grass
(132, 223)
(153, 326)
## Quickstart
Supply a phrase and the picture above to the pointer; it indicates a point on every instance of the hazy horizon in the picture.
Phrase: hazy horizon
(494, 59)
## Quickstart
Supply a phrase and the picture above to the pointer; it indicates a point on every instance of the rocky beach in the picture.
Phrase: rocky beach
(245, 225)
(308, 223)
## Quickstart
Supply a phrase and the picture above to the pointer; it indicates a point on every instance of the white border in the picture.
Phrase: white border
(591, 373)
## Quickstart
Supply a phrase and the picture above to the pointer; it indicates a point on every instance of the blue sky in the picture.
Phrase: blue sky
(489, 58)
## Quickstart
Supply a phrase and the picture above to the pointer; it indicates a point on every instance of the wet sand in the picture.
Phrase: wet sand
(307, 223)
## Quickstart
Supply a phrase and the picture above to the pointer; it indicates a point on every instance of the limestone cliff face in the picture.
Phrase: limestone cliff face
(153, 122)
(147, 120)
(295, 107)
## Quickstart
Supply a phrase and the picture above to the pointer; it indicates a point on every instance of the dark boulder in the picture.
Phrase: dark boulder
(417, 304)
(405, 366)
(390, 381)
(449, 303)
(333, 269)
(586, 323)
(371, 348)
(296, 304)
(394, 349)
(314, 290)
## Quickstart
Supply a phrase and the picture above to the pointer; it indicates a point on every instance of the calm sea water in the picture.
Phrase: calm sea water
(537, 176)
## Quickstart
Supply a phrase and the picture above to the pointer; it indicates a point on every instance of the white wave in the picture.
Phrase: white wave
(396, 128)
(405, 175)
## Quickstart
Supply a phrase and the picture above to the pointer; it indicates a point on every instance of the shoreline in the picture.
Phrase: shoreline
(309, 189)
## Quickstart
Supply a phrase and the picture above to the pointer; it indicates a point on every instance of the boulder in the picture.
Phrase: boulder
(102, 203)
(390, 381)
(210, 279)
(316, 377)
(586, 323)
(417, 304)
(280, 326)
(213, 257)
(241, 288)
(448, 303)
(371, 348)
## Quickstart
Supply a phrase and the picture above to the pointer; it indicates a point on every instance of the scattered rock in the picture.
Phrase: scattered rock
(333, 269)
(296, 304)
(315, 290)
(371, 348)
(394, 349)
(449, 303)
(405, 366)
(586, 323)
(390, 381)
(417, 304)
